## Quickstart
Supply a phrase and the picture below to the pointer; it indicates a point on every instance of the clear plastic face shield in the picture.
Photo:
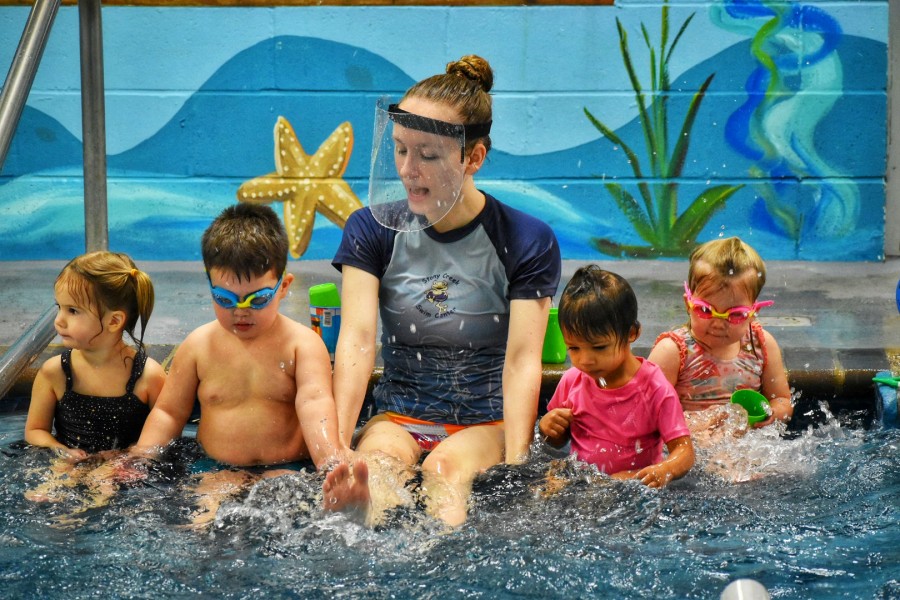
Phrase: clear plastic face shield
(418, 168)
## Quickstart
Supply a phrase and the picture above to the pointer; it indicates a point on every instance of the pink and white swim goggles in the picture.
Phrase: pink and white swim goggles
(735, 315)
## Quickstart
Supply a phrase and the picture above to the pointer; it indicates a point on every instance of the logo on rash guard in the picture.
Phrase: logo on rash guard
(436, 295)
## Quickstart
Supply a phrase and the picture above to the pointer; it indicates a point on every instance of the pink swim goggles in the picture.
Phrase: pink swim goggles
(734, 315)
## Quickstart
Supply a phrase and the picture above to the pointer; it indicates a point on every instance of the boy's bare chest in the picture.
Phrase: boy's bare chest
(236, 375)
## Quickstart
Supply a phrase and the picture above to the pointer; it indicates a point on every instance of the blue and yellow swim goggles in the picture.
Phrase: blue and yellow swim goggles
(257, 300)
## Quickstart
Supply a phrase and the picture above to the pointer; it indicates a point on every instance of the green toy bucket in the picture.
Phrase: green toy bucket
(754, 403)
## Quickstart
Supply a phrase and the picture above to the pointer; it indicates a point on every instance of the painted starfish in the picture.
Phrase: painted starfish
(306, 184)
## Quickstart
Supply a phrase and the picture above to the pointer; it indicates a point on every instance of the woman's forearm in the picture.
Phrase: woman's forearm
(521, 388)
(352, 372)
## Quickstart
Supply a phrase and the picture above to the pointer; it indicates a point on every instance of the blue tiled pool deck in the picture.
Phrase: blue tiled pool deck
(837, 323)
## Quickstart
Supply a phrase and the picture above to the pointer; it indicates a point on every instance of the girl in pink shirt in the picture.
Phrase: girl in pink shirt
(617, 409)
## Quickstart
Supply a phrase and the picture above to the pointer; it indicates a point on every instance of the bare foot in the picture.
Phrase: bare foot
(42, 495)
(347, 490)
(215, 488)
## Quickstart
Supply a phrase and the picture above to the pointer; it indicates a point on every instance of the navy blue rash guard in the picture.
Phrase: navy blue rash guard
(444, 302)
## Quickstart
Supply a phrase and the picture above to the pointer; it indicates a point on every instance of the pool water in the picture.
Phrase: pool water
(818, 517)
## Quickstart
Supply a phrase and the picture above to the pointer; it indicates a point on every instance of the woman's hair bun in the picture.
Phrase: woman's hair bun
(475, 68)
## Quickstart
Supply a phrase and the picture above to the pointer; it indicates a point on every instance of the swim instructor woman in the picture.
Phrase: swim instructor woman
(463, 284)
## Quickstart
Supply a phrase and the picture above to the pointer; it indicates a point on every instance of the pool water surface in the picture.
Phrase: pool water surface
(816, 517)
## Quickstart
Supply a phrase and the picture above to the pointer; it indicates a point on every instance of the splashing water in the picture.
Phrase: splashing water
(821, 521)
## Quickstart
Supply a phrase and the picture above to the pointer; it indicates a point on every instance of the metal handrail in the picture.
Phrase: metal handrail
(24, 66)
(93, 126)
(27, 348)
(12, 102)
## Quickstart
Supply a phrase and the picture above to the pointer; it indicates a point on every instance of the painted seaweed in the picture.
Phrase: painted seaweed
(655, 218)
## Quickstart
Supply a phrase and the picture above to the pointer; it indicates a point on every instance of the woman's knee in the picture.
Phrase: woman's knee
(387, 439)
(455, 466)
(444, 466)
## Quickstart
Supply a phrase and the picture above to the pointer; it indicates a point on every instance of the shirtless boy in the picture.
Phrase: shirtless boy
(263, 380)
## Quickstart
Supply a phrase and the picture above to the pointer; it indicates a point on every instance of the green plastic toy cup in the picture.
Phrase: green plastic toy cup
(554, 350)
(324, 294)
(754, 403)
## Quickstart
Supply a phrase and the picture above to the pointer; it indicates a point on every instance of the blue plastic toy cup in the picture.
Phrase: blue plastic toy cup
(897, 294)
(325, 314)
(754, 403)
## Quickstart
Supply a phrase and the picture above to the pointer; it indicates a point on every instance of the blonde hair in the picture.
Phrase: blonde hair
(105, 281)
(464, 87)
(721, 262)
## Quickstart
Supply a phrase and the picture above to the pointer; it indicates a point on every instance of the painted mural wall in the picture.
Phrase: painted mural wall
(635, 130)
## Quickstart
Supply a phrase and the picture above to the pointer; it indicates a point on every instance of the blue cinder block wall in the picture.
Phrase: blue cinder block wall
(766, 120)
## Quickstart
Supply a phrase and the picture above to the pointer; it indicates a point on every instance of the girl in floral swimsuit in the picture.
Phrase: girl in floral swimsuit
(723, 348)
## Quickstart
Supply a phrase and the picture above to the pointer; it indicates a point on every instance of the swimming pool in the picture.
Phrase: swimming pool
(823, 522)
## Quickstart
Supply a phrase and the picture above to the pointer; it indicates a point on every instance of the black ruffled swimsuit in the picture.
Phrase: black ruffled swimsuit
(94, 423)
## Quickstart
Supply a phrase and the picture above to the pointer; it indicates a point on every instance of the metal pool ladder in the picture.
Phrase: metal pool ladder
(93, 116)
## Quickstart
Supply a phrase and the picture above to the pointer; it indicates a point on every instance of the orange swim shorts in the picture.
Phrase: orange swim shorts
(429, 434)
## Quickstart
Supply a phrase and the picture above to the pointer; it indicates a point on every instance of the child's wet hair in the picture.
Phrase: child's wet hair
(599, 304)
(104, 281)
(720, 262)
(248, 240)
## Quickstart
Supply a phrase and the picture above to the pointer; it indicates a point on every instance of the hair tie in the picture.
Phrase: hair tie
(134, 272)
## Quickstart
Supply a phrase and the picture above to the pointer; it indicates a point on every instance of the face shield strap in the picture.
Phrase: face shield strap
(428, 125)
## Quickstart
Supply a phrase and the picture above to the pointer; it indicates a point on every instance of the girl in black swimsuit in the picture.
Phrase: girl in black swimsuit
(96, 394)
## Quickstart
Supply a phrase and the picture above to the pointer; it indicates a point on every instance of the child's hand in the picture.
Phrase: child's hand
(765, 423)
(654, 476)
(554, 426)
(342, 455)
(781, 409)
(72, 454)
(128, 468)
(679, 462)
